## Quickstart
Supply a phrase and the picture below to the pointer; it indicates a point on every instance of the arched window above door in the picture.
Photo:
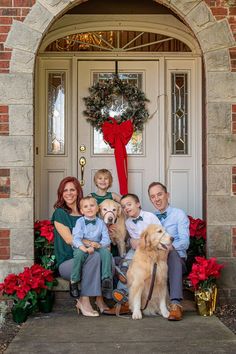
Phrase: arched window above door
(117, 41)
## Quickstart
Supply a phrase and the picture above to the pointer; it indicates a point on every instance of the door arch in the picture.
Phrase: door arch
(180, 173)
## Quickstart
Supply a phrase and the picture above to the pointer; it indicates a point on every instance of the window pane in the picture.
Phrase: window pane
(179, 113)
(135, 145)
(56, 113)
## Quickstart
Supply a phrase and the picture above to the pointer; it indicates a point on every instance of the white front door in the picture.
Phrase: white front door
(168, 150)
(144, 149)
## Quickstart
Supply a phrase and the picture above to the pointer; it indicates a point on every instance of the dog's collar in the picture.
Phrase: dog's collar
(110, 211)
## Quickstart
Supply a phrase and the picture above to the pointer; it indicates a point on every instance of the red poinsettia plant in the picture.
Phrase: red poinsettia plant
(25, 288)
(44, 244)
(197, 247)
(204, 273)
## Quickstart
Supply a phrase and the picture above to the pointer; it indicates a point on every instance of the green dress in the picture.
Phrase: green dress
(101, 198)
(63, 251)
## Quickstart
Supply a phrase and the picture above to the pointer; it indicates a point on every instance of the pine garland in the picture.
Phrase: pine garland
(101, 94)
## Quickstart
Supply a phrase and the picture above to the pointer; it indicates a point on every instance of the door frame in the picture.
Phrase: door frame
(162, 102)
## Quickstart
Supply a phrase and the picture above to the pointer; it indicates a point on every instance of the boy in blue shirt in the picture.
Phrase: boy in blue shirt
(90, 234)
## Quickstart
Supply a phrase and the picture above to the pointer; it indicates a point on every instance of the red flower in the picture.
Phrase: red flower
(45, 229)
(204, 272)
(31, 281)
(47, 232)
(197, 228)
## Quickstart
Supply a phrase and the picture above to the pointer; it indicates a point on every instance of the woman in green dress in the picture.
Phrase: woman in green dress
(64, 218)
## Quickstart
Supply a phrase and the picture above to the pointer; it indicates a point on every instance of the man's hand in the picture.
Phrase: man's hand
(112, 229)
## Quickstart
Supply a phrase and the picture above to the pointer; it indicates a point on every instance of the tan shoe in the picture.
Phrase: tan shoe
(118, 309)
(176, 312)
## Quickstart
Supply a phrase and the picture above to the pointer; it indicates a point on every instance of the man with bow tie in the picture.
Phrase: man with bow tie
(90, 234)
(176, 223)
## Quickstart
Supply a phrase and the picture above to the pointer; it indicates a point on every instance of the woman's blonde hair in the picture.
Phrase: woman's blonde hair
(103, 171)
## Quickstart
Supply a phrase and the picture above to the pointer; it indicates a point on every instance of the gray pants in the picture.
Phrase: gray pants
(176, 269)
(91, 274)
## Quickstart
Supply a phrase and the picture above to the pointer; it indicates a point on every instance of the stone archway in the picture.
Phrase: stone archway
(17, 90)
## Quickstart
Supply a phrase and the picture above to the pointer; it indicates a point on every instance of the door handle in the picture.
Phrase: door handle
(82, 162)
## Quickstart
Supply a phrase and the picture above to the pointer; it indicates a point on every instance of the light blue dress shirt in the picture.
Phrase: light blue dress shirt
(177, 225)
(97, 233)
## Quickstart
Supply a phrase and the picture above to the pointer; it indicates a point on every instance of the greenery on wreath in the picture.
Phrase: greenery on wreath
(101, 99)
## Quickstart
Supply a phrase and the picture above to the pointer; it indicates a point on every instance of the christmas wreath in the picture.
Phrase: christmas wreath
(101, 99)
(117, 109)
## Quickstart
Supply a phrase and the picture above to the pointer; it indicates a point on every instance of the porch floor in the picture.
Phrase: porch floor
(63, 331)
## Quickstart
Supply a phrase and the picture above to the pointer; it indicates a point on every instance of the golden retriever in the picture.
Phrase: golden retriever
(153, 248)
(111, 212)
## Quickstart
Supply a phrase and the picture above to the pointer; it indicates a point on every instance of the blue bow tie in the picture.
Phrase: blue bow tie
(162, 216)
(138, 219)
(87, 221)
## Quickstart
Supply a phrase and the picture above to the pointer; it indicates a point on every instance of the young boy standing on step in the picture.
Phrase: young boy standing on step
(90, 234)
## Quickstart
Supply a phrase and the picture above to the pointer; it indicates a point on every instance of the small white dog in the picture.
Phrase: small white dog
(153, 248)
(111, 212)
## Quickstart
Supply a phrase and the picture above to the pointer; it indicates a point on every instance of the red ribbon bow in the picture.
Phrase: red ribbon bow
(117, 136)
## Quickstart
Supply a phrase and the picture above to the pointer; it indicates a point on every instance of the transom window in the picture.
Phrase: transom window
(117, 41)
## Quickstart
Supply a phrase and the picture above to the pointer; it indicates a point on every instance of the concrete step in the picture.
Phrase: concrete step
(63, 298)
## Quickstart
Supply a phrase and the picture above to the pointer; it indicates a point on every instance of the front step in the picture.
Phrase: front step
(63, 298)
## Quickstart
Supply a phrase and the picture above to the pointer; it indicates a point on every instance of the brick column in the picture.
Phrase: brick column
(4, 244)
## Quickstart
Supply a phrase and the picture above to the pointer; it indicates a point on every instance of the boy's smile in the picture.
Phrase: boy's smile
(103, 182)
(130, 207)
(89, 208)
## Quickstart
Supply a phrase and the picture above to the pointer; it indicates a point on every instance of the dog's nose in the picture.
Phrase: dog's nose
(110, 219)
(172, 239)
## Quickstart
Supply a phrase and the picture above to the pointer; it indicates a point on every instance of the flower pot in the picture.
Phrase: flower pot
(19, 314)
(46, 304)
(206, 301)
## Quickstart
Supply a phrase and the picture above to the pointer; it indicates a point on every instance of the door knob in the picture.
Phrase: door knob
(82, 162)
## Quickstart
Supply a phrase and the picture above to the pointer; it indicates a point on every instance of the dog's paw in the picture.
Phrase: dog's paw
(137, 315)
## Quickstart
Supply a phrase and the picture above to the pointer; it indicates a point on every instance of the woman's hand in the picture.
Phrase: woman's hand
(95, 244)
(90, 250)
(89, 243)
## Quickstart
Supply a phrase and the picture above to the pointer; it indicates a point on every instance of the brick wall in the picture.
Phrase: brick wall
(4, 244)
(10, 10)
(4, 120)
(17, 10)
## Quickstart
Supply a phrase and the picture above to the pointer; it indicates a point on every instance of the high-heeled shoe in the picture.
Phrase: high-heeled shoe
(102, 309)
(84, 312)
